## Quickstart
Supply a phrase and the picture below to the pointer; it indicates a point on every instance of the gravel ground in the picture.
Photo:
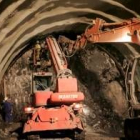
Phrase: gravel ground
(7, 133)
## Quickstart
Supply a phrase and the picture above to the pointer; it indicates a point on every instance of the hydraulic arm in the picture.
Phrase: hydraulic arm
(127, 31)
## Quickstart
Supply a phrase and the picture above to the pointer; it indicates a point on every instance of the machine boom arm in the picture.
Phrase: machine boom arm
(127, 31)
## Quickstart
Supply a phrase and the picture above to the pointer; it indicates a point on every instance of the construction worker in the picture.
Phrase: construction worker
(42, 44)
(2, 110)
(37, 51)
(7, 107)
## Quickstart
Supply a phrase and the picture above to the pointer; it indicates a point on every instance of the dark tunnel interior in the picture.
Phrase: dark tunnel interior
(102, 69)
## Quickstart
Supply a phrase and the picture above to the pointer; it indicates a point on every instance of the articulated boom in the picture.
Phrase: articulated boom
(57, 55)
(67, 88)
(127, 31)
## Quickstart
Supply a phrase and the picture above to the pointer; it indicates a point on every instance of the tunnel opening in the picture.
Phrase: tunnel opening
(100, 74)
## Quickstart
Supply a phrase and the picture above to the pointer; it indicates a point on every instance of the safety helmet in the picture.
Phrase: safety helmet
(6, 98)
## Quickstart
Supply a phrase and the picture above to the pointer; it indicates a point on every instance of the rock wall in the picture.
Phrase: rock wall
(17, 85)
(102, 83)
(22, 20)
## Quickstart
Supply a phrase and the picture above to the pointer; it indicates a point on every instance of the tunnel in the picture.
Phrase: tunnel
(98, 68)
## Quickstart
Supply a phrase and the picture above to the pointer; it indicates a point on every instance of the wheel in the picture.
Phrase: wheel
(33, 137)
(132, 129)
(79, 135)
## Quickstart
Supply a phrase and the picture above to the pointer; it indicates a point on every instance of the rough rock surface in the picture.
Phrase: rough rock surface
(100, 80)
(18, 87)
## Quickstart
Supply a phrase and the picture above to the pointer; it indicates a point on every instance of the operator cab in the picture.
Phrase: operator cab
(42, 81)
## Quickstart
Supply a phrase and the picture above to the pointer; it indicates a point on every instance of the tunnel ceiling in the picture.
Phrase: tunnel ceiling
(21, 20)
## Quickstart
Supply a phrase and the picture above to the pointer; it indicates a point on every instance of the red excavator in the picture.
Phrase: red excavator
(60, 108)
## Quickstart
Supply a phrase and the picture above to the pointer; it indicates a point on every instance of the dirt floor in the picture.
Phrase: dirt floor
(9, 132)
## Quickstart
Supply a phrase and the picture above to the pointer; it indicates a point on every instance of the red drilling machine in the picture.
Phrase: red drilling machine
(61, 108)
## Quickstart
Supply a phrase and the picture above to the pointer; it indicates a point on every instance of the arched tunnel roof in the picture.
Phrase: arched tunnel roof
(21, 20)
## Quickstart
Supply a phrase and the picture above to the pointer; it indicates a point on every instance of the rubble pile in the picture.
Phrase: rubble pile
(101, 81)
(18, 87)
